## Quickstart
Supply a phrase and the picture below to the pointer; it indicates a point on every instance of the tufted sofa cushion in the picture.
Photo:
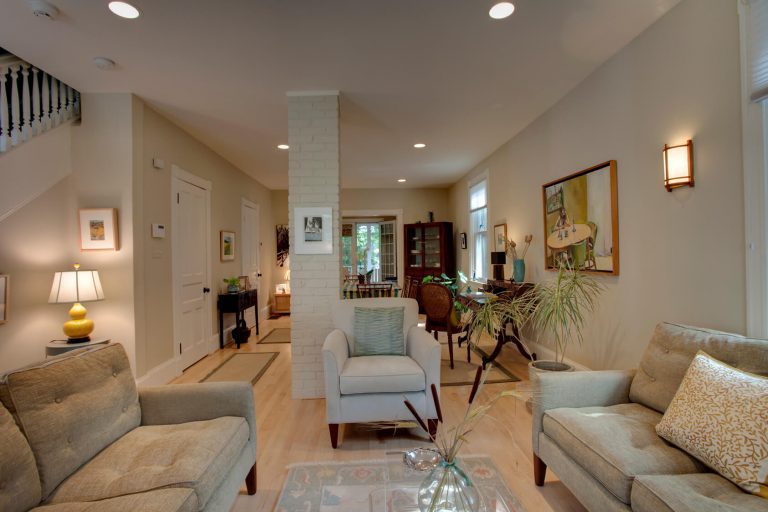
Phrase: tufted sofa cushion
(72, 407)
(673, 347)
(19, 481)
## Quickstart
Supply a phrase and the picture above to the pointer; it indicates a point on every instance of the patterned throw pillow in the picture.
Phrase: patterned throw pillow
(379, 331)
(720, 416)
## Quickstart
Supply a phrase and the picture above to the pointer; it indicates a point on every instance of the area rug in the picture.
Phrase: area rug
(463, 373)
(277, 335)
(243, 367)
(380, 486)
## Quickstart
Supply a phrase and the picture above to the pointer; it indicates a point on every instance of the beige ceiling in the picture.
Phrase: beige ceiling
(435, 71)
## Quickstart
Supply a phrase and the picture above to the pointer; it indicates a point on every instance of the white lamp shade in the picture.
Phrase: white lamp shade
(677, 164)
(76, 286)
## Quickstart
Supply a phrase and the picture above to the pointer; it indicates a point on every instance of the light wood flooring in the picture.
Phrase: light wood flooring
(293, 431)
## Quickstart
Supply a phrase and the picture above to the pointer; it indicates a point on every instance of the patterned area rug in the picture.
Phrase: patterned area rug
(380, 486)
(277, 335)
(244, 366)
(463, 373)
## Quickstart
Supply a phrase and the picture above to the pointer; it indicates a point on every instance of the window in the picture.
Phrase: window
(369, 247)
(478, 229)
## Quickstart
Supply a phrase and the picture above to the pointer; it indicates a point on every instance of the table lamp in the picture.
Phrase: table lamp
(498, 260)
(76, 286)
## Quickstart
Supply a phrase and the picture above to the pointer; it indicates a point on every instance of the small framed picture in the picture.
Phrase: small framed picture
(4, 282)
(227, 245)
(463, 240)
(98, 229)
(500, 237)
(245, 282)
(314, 230)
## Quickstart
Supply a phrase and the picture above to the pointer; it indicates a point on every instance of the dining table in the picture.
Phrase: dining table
(351, 290)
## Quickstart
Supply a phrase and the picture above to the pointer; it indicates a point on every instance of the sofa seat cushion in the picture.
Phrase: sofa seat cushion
(381, 374)
(19, 480)
(162, 500)
(616, 443)
(703, 492)
(196, 455)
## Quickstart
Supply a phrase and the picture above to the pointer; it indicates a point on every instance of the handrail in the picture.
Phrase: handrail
(31, 102)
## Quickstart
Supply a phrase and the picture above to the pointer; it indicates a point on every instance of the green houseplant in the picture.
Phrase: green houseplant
(559, 307)
(233, 284)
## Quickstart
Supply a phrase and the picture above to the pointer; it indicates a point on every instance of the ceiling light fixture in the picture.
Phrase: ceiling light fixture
(43, 9)
(401, 180)
(419, 145)
(124, 10)
(104, 63)
(501, 10)
(283, 146)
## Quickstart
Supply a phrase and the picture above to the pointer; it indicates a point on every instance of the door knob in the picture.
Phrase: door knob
(258, 274)
(206, 290)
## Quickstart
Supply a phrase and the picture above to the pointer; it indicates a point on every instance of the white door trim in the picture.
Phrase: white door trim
(179, 173)
(263, 298)
(398, 214)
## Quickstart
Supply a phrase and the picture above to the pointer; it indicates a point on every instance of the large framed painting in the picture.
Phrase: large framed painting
(313, 228)
(581, 220)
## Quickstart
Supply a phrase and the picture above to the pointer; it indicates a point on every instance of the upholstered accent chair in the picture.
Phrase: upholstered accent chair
(371, 388)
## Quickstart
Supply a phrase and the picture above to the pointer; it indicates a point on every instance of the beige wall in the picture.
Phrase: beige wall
(163, 139)
(682, 253)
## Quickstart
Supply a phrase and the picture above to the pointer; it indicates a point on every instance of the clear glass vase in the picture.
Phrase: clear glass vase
(448, 489)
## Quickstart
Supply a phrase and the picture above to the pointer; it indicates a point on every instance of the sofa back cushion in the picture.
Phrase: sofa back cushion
(673, 347)
(72, 407)
(19, 481)
(344, 314)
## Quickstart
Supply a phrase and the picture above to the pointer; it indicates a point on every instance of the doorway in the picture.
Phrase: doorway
(251, 248)
(190, 246)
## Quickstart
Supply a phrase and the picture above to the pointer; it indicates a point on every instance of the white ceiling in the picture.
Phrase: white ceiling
(435, 71)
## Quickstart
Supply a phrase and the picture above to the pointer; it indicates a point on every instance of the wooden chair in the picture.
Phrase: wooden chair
(405, 292)
(437, 301)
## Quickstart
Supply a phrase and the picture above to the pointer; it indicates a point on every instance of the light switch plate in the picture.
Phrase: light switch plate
(158, 230)
(158, 163)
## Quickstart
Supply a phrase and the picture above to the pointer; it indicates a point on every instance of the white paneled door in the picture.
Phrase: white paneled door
(251, 247)
(191, 243)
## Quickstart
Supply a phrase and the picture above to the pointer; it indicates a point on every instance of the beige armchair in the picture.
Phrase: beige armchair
(372, 388)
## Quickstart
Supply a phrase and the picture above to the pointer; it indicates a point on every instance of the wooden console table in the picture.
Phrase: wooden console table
(237, 303)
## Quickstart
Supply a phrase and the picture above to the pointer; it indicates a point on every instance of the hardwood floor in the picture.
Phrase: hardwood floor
(292, 431)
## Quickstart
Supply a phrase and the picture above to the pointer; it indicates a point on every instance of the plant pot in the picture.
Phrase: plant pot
(518, 270)
(233, 288)
(546, 365)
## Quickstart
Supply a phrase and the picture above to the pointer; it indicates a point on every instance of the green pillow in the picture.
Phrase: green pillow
(379, 332)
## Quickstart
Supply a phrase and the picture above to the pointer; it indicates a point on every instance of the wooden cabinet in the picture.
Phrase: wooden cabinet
(282, 304)
(429, 249)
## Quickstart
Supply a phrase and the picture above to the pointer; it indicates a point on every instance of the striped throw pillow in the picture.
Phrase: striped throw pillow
(379, 332)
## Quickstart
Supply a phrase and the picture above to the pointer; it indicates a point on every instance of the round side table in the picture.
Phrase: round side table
(58, 347)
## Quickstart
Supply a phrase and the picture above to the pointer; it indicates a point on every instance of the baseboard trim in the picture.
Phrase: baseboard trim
(161, 374)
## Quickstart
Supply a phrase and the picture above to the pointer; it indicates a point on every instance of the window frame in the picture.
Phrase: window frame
(471, 183)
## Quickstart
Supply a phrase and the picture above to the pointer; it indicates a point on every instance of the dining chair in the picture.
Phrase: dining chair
(437, 301)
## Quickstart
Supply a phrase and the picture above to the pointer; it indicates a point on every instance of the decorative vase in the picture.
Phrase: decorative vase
(447, 489)
(233, 288)
(518, 271)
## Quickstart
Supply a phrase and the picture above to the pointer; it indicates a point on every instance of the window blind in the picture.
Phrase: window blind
(757, 48)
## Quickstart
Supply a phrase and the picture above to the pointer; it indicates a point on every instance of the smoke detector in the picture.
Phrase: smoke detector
(43, 9)
(104, 63)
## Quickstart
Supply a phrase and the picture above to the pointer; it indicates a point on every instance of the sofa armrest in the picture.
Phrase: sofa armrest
(425, 350)
(181, 403)
(552, 390)
(335, 353)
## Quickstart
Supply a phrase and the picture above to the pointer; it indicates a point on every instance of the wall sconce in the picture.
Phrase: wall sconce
(678, 165)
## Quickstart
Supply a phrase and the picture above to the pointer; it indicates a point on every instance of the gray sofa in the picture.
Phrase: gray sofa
(76, 435)
(596, 430)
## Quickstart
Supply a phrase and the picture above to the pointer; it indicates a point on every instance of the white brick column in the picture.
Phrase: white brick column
(313, 174)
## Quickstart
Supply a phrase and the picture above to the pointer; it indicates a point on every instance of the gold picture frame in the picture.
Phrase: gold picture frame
(98, 229)
(227, 245)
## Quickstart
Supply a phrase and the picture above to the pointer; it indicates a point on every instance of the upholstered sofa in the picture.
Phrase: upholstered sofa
(76, 435)
(596, 430)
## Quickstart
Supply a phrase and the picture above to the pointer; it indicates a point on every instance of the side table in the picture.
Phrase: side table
(58, 347)
(237, 303)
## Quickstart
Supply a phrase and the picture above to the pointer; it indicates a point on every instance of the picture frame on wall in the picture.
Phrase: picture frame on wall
(283, 243)
(98, 229)
(500, 237)
(463, 240)
(227, 245)
(581, 220)
(313, 228)
(4, 295)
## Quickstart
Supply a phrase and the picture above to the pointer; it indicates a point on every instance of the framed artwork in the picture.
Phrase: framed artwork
(245, 282)
(500, 237)
(4, 283)
(283, 243)
(463, 240)
(98, 229)
(313, 228)
(227, 245)
(581, 220)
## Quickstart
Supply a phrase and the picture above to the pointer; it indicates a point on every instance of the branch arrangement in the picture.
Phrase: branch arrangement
(512, 247)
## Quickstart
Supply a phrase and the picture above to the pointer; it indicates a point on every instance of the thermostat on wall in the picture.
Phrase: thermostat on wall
(158, 230)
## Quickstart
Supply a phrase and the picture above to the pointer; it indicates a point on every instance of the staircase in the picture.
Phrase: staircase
(31, 102)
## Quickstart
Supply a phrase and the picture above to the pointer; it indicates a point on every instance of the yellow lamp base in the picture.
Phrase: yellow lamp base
(79, 328)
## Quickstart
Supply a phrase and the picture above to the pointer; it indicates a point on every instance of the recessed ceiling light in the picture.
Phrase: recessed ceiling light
(401, 180)
(419, 145)
(501, 10)
(283, 146)
(124, 10)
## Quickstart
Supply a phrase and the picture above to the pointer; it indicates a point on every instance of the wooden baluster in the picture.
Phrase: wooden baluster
(26, 104)
(15, 106)
(63, 100)
(36, 130)
(70, 102)
(55, 119)
(77, 103)
(46, 119)
(5, 123)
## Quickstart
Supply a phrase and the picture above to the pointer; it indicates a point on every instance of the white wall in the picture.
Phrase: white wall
(682, 253)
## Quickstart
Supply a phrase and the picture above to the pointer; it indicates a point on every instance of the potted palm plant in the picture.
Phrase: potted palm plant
(560, 307)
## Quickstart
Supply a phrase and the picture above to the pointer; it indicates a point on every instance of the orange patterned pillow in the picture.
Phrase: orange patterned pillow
(720, 416)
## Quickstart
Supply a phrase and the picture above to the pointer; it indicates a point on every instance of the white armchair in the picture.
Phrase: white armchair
(371, 388)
